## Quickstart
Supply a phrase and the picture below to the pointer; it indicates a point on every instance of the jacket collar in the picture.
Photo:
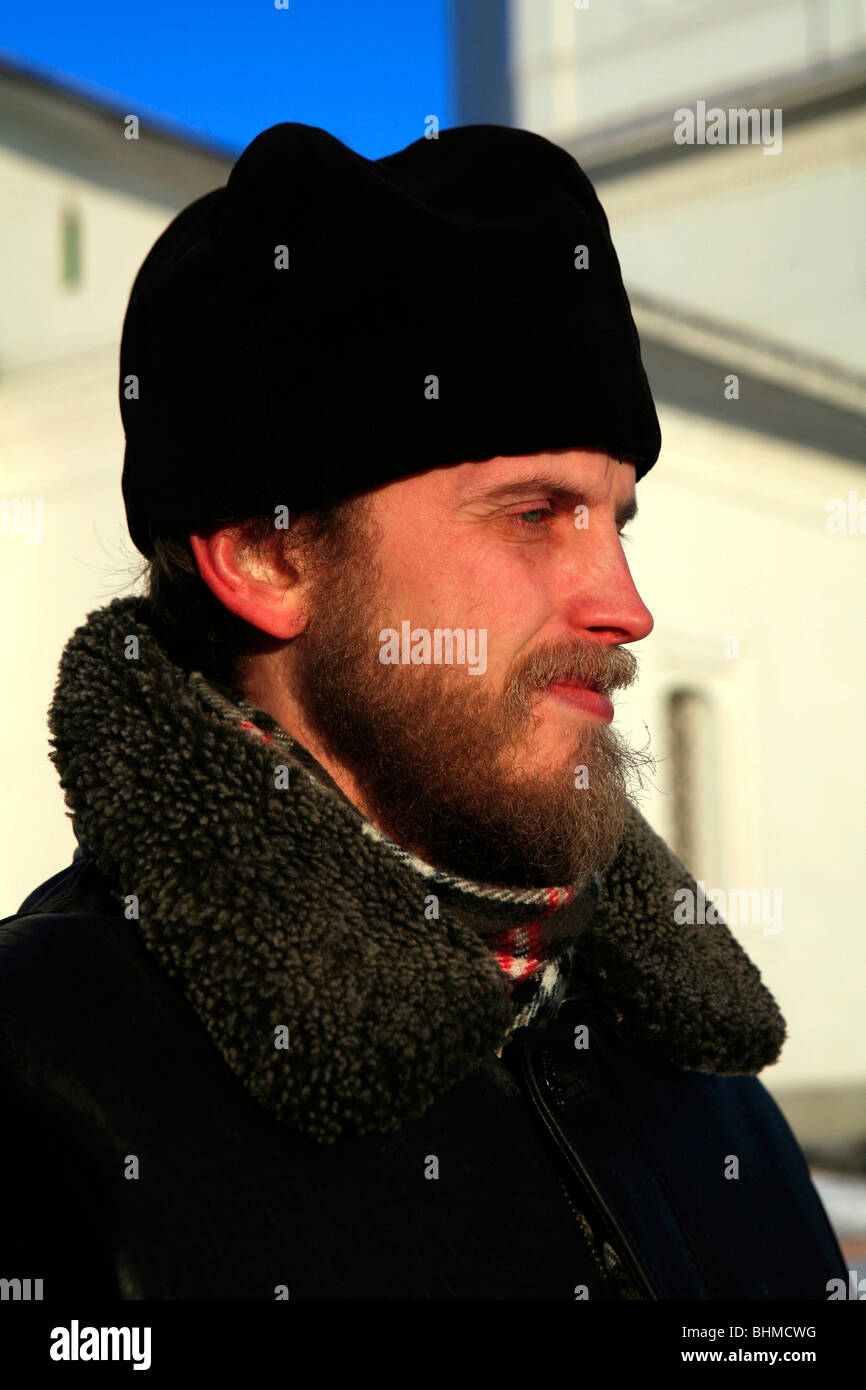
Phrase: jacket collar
(299, 934)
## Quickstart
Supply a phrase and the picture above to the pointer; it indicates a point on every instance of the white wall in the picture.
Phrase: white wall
(579, 69)
(40, 318)
(732, 541)
(772, 243)
(61, 444)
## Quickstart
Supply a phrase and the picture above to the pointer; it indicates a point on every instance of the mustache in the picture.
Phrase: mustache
(593, 664)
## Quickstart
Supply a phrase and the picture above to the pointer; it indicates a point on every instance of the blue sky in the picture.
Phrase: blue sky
(368, 72)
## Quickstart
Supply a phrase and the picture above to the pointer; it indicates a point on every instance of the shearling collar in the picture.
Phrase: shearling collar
(287, 919)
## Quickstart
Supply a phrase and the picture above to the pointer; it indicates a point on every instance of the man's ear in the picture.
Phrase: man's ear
(261, 586)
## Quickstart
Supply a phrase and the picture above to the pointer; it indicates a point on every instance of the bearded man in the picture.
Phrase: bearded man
(365, 980)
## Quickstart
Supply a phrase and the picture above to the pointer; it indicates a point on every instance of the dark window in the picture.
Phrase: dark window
(70, 247)
(689, 741)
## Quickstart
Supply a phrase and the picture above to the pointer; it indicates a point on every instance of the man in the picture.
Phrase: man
(365, 981)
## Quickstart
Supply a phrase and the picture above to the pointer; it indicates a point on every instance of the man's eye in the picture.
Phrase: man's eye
(523, 521)
(519, 517)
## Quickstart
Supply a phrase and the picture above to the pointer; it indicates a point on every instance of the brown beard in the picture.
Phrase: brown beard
(436, 752)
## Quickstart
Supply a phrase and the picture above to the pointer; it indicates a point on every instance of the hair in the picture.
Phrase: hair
(199, 633)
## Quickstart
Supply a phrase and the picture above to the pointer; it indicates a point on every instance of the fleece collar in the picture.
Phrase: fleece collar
(308, 942)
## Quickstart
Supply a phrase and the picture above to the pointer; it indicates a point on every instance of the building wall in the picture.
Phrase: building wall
(758, 608)
(61, 455)
(41, 317)
(581, 68)
(770, 242)
(64, 547)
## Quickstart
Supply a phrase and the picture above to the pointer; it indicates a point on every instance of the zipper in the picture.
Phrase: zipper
(585, 1228)
(585, 1182)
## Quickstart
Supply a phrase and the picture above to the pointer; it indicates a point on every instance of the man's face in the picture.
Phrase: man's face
(480, 767)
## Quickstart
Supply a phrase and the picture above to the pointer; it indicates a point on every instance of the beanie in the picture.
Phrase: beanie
(325, 324)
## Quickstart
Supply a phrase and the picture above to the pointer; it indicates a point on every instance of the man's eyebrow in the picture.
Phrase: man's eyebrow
(555, 486)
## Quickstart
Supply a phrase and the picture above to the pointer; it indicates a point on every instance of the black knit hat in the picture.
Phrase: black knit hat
(327, 323)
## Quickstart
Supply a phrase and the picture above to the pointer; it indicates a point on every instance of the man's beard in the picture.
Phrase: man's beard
(442, 760)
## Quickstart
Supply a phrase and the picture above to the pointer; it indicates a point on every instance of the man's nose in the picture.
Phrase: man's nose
(603, 602)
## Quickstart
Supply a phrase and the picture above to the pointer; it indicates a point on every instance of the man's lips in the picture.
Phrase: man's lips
(592, 701)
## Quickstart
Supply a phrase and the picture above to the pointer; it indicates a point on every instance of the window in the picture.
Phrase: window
(70, 247)
(691, 779)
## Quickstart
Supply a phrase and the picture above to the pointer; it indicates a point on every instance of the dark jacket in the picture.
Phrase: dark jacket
(555, 1172)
